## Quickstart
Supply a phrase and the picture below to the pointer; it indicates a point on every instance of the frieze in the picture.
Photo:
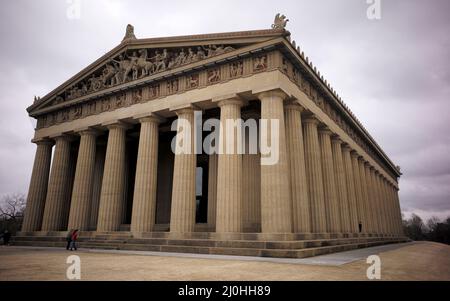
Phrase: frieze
(210, 76)
(135, 64)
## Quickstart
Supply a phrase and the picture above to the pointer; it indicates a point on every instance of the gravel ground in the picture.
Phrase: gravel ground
(418, 261)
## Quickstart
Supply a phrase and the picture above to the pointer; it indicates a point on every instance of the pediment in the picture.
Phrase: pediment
(134, 60)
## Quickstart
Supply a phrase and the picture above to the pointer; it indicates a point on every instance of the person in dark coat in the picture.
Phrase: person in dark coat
(68, 239)
(74, 239)
(6, 237)
(360, 226)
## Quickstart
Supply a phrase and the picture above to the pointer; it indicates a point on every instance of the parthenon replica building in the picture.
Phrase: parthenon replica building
(117, 159)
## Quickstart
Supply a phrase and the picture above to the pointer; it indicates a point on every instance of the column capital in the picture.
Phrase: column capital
(346, 147)
(272, 93)
(117, 124)
(310, 118)
(236, 101)
(184, 108)
(325, 131)
(62, 136)
(88, 131)
(293, 105)
(149, 117)
(43, 141)
(336, 139)
(354, 153)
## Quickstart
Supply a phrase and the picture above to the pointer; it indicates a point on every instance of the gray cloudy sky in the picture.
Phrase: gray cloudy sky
(393, 73)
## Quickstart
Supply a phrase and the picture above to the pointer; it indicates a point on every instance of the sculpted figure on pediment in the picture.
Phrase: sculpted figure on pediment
(160, 60)
(145, 66)
(191, 57)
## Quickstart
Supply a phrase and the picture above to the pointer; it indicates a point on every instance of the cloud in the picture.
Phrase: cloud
(393, 73)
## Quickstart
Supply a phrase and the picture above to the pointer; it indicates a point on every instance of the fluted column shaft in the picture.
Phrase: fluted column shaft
(37, 190)
(358, 193)
(399, 212)
(229, 170)
(80, 205)
(112, 200)
(301, 215)
(378, 212)
(100, 153)
(276, 215)
(351, 193)
(144, 199)
(314, 175)
(370, 199)
(388, 206)
(182, 216)
(251, 191)
(329, 182)
(212, 190)
(393, 209)
(381, 209)
(55, 215)
(341, 187)
(365, 196)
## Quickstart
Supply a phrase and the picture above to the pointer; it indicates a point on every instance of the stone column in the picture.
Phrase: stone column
(57, 193)
(381, 210)
(388, 206)
(351, 194)
(229, 170)
(329, 182)
(37, 190)
(276, 215)
(212, 191)
(144, 199)
(251, 179)
(80, 205)
(393, 209)
(365, 197)
(374, 200)
(371, 199)
(111, 205)
(100, 153)
(374, 173)
(341, 186)
(358, 192)
(301, 215)
(399, 212)
(182, 216)
(314, 175)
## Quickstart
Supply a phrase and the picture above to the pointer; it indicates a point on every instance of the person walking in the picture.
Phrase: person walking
(6, 237)
(73, 240)
(69, 239)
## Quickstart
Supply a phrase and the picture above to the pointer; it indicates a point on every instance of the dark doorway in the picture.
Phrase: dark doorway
(201, 189)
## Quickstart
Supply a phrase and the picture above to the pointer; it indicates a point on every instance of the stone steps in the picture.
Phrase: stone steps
(288, 249)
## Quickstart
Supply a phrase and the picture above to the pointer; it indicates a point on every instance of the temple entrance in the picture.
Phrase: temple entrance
(201, 189)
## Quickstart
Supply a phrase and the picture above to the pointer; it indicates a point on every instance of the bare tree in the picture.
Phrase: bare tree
(12, 206)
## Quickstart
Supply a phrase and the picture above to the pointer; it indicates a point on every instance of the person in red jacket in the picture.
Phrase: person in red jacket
(73, 241)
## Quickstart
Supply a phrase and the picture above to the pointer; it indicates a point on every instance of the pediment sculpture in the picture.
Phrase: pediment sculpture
(138, 63)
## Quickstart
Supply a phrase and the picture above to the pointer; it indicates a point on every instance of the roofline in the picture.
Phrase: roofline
(264, 33)
(314, 74)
